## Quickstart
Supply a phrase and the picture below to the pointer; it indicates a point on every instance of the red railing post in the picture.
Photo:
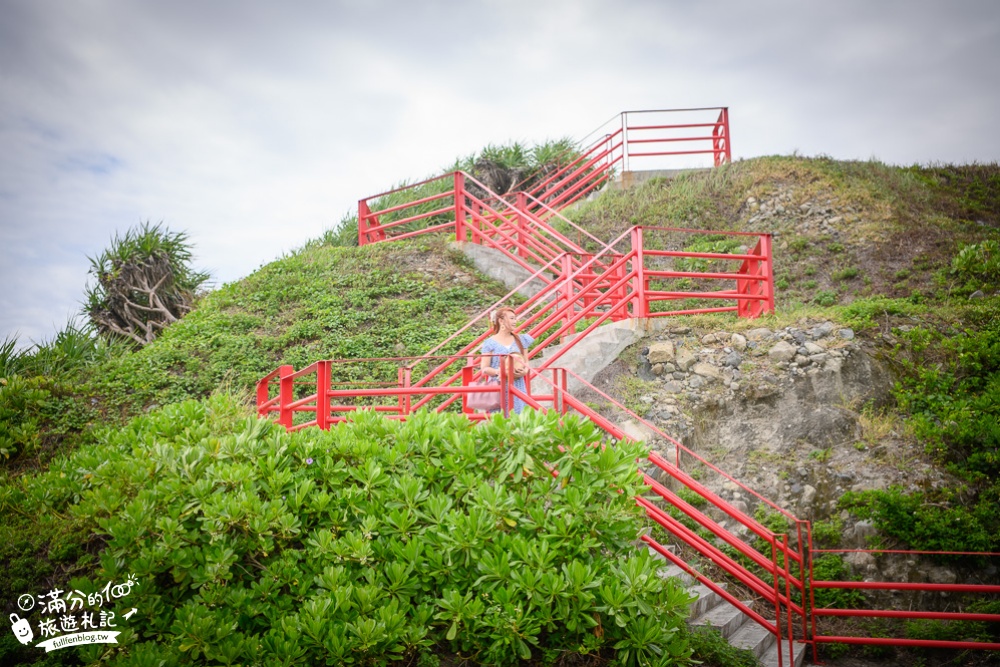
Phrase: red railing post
(768, 271)
(459, 206)
(777, 597)
(362, 222)
(404, 398)
(323, 394)
(720, 139)
(788, 597)
(640, 307)
(624, 116)
(263, 396)
(467, 373)
(286, 394)
(521, 206)
(565, 291)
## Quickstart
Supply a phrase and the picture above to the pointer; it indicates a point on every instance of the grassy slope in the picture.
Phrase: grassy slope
(895, 226)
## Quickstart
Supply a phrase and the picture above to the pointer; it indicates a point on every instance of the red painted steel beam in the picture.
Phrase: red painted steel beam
(925, 643)
(659, 154)
(902, 613)
(416, 202)
(908, 586)
(658, 141)
(705, 581)
(683, 126)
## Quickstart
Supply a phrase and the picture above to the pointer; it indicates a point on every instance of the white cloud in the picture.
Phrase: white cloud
(256, 125)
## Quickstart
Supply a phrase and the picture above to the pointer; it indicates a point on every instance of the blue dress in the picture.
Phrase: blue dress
(491, 346)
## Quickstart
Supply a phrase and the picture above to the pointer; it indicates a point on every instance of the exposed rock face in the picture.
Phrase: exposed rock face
(661, 351)
(786, 424)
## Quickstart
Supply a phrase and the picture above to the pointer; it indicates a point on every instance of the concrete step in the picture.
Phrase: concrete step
(674, 572)
(724, 617)
(793, 658)
(753, 637)
(706, 599)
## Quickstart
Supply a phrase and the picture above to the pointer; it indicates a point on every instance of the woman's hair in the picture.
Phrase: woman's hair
(495, 318)
(495, 324)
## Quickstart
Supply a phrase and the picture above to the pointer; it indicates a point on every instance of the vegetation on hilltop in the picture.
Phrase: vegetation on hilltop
(320, 303)
(842, 230)
(144, 284)
(503, 169)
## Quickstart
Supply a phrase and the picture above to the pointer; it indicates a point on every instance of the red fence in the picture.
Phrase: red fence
(443, 203)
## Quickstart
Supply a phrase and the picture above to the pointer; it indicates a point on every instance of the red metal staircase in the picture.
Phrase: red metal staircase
(627, 278)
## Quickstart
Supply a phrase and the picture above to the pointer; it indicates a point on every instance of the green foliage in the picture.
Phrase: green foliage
(20, 403)
(144, 283)
(711, 649)
(827, 534)
(950, 390)
(862, 313)
(11, 358)
(38, 412)
(382, 300)
(978, 265)
(709, 244)
(374, 541)
(831, 567)
(847, 273)
(933, 523)
(825, 298)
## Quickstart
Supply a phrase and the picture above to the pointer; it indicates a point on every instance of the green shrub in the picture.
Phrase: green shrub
(11, 358)
(21, 400)
(713, 650)
(825, 298)
(929, 523)
(978, 264)
(831, 567)
(866, 312)
(374, 541)
(845, 274)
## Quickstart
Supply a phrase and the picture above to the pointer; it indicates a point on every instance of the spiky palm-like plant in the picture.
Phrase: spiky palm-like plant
(144, 283)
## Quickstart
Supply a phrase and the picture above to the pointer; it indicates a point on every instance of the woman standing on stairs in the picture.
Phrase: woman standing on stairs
(504, 342)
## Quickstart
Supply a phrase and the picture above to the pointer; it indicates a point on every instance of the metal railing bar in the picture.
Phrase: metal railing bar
(705, 581)
(415, 202)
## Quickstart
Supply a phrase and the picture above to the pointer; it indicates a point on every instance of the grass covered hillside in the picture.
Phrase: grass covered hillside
(842, 230)
(433, 541)
(319, 303)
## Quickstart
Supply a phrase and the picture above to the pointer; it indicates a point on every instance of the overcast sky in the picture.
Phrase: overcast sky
(255, 126)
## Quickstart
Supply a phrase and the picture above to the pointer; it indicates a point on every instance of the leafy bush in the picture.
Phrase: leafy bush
(847, 273)
(20, 402)
(865, 312)
(825, 298)
(713, 650)
(144, 283)
(11, 358)
(374, 541)
(929, 523)
(978, 265)
(831, 567)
